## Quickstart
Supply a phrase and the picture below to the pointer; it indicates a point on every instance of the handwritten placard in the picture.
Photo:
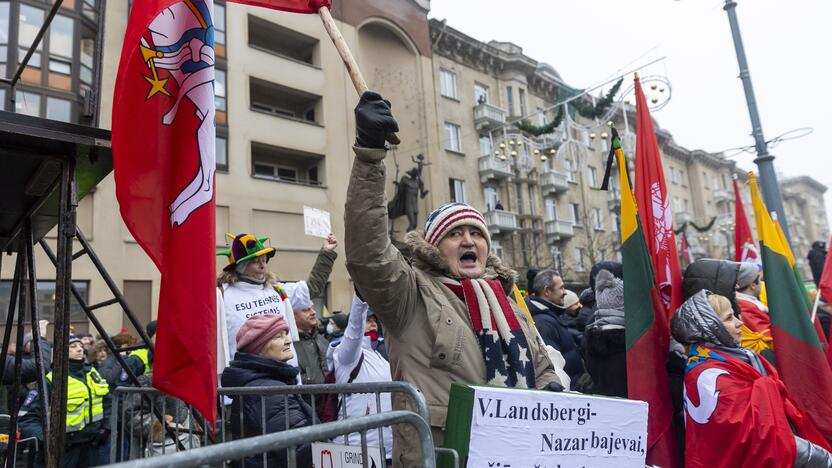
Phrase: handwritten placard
(316, 222)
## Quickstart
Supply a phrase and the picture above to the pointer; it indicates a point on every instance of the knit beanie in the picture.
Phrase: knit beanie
(570, 299)
(450, 216)
(747, 274)
(609, 291)
(257, 331)
(298, 293)
(74, 338)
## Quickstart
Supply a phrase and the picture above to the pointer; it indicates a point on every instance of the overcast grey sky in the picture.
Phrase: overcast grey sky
(787, 44)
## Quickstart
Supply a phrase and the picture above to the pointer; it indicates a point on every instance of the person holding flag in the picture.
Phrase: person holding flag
(738, 413)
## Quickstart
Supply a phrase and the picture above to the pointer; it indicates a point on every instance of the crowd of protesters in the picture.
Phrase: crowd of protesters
(442, 310)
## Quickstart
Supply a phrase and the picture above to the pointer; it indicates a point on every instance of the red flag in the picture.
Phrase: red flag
(163, 148)
(737, 417)
(745, 249)
(654, 208)
(825, 283)
(294, 6)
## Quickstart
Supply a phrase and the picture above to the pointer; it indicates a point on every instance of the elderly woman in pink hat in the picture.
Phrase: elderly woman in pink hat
(264, 347)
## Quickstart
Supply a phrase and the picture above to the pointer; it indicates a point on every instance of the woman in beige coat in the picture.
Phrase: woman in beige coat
(446, 315)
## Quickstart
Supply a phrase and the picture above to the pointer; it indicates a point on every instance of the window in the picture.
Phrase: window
(221, 153)
(457, 190)
(576, 214)
(447, 83)
(285, 165)
(677, 205)
(714, 182)
(30, 21)
(58, 109)
(4, 37)
(497, 248)
(554, 251)
(277, 40)
(532, 201)
(724, 183)
(61, 35)
(570, 170)
(579, 259)
(480, 93)
(541, 117)
(616, 221)
(673, 175)
(219, 89)
(27, 103)
(46, 300)
(551, 210)
(453, 137)
(522, 98)
(485, 146)
(219, 23)
(597, 222)
(510, 100)
(687, 205)
(491, 198)
(139, 296)
(87, 54)
(593, 176)
(282, 101)
(705, 180)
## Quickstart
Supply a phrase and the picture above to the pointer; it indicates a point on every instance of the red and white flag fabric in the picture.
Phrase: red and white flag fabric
(163, 155)
(294, 6)
(654, 208)
(745, 249)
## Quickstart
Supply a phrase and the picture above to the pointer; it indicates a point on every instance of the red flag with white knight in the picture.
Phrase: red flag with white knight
(654, 208)
(163, 150)
(745, 249)
(294, 6)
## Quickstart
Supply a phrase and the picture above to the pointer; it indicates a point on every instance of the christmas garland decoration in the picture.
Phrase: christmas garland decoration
(600, 108)
(695, 226)
(537, 130)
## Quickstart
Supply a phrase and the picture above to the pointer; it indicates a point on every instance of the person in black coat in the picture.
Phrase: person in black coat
(604, 342)
(546, 307)
(263, 347)
(587, 296)
(817, 257)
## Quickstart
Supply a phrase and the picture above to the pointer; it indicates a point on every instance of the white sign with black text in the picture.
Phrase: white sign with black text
(316, 222)
(344, 456)
(511, 428)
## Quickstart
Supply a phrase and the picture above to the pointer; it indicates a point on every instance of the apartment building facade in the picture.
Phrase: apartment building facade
(285, 129)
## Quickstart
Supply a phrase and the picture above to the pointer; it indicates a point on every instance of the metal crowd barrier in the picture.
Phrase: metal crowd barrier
(220, 453)
(137, 434)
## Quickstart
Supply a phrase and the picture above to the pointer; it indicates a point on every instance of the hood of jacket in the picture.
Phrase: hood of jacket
(696, 322)
(427, 258)
(246, 368)
(717, 276)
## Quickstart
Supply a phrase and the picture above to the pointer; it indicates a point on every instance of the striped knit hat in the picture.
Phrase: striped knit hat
(450, 216)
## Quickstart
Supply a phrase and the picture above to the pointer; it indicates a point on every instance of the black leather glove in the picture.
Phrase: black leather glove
(373, 120)
(554, 387)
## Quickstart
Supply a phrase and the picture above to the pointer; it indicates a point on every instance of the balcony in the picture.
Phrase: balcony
(486, 116)
(557, 230)
(554, 182)
(499, 221)
(722, 196)
(492, 168)
(683, 217)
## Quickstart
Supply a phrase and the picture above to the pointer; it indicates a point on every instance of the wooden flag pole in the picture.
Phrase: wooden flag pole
(349, 61)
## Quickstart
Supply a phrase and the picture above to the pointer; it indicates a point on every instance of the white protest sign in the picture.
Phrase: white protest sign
(344, 456)
(316, 222)
(530, 428)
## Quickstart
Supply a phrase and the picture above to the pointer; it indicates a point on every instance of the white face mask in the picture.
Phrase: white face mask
(330, 328)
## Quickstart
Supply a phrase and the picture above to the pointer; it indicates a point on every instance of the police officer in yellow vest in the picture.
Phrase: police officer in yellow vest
(87, 411)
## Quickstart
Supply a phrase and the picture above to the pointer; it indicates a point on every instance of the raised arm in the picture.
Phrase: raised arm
(381, 274)
(348, 351)
(319, 276)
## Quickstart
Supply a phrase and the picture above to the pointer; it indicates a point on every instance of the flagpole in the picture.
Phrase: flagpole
(349, 61)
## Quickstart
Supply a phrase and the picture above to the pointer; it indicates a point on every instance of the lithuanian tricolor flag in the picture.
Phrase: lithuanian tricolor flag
(800, 358)
(647, 334)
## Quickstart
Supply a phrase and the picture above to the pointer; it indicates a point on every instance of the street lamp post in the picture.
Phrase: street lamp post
(764, 161)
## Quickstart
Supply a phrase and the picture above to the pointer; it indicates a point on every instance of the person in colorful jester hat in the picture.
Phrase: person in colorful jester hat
(737, 410)
(247, 288)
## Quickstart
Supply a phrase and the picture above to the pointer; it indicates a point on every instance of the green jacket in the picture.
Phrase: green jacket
(319, 276)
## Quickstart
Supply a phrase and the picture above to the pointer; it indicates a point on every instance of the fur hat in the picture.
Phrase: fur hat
(609, 291)
(298, 293)
(450, 216)
(257, 331)
(244, 247)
